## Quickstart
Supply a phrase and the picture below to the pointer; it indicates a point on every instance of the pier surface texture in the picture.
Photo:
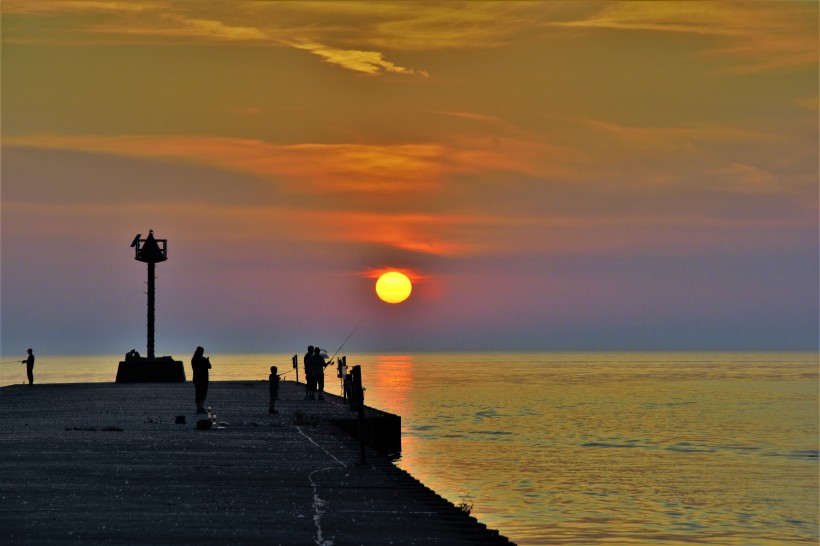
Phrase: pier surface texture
(107, 463)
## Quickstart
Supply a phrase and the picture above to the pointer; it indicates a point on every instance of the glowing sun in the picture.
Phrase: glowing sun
(393, 287)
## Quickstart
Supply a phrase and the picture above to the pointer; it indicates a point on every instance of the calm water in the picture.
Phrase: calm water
(589, 448)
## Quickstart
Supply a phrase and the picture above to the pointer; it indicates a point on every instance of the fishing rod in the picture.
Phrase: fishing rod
(13, 361)
(343, 343)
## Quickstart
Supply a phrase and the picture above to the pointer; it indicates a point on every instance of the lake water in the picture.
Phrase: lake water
(717, 448)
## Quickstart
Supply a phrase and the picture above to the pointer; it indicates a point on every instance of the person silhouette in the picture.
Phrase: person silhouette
(200, 365)
(29, 362)
(273, 389)
(316, 365)
(308, 382)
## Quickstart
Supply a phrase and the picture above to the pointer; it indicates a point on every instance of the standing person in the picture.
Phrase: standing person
(273, 389)
(308, 383)
(317, 370)
(200, 364)
(29, 362)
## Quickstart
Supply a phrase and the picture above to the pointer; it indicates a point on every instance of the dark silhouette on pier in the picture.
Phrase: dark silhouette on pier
(200, 365)
(273, 389)
(308, 382)
(29, 362)
(316, 366)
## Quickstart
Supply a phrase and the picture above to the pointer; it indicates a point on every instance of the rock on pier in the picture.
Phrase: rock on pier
(108, 463)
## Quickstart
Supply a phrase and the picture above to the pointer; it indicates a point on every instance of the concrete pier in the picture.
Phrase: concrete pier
(107, 463)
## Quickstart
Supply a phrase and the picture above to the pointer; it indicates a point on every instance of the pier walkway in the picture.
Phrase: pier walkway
(106, 463)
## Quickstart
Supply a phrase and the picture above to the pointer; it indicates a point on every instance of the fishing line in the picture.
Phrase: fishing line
(345, 341)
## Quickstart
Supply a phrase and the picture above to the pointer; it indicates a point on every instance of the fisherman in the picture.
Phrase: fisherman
(29, 362)
(273, 389)
(316, 365)
(200, 365)
(308, 384)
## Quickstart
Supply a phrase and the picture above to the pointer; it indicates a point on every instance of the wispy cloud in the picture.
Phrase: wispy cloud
(360, 36)
(679, 138)
(50, 7)
(213, 29)
(445, 25)
(366, 180)
(370, 171)
(434, 234)
(809, 103)
(123, 22)
(368, 62)
(164, 22)
(179, 27)
(749, 179)
(376, 170)
(757, 36)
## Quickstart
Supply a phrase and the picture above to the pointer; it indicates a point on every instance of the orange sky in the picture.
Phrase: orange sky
(554, 175)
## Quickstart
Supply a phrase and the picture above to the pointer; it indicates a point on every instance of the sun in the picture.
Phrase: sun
(393, 287)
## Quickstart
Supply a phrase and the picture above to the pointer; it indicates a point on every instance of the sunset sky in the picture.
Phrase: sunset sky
(550, 175)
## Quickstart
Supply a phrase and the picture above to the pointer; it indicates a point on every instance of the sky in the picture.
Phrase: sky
(552, 176)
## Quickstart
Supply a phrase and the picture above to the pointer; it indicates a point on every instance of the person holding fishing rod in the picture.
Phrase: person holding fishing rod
(29, 362)
(200, 364)
(316, 367)
(315, 364)
(305, 360)
(273, 388)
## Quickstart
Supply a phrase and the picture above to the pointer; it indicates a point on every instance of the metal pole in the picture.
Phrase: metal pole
(151, 277)
(356, 372)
